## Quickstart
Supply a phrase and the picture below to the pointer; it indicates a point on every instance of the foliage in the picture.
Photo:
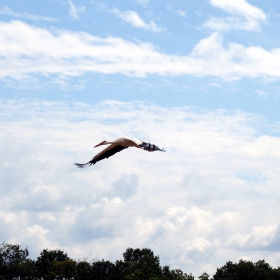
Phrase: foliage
(103, 270)
(137, 264)
(247, 270)
(141, 264)
(63, 269)
(49, 264)
(14, 262)
(204, 276)
(83, 270)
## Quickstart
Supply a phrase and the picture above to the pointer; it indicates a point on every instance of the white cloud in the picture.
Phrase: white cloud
(181, 13)
(240, 7)
(134, 19)
(204, 198)
(245, 16)
(125, 187)
(261, 93)
(27, 51)
(5, 10)
(100, 6)
(259, 238)
(76, 11)
(178, 12)
(143, 2)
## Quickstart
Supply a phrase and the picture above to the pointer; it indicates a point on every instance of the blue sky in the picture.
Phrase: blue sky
(199, 78)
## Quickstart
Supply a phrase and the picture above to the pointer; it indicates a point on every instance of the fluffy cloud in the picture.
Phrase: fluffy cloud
(134, 19)
(28, 51)
(207, 199)
(245, 16)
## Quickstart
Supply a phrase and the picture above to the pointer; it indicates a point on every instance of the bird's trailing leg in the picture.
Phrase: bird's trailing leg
(82, 165)
(150, 147)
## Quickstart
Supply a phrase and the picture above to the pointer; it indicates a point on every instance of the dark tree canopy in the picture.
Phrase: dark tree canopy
(14, 262)
(50, 262)
(137, 264)
(247, 270)
(141, 262)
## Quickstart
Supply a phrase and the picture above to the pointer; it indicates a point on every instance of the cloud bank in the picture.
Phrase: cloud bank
(28, 51)
(207, 199)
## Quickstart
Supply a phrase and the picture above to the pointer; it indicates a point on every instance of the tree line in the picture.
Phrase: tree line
(137, 264)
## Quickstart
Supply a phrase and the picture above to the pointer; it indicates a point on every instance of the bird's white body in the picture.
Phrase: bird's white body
(126, 142)
(118, 145)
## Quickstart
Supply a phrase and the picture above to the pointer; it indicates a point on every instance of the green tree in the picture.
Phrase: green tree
(14, 262)
(83, 270)
(120, 269)
(204, 276)
(175, 274)
(166, 273)
(178, 274)
(141, 264)
(63, 269)
(103, 270)
(247, 270)
(46, 263)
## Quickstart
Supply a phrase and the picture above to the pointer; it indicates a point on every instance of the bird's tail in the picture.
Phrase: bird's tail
(82, 165)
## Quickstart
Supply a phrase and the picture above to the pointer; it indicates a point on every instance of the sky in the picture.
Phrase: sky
(199, 78)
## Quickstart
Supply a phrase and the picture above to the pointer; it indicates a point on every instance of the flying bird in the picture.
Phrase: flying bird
(118, 145)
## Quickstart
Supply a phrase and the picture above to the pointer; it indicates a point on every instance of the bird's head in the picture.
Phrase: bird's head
(100, 144)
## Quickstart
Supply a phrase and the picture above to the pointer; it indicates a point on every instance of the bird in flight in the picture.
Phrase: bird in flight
(118, 145)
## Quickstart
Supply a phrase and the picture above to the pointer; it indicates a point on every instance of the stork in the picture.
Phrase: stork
(118, 145)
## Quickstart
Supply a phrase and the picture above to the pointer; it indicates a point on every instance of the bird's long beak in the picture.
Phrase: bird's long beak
(100, 144)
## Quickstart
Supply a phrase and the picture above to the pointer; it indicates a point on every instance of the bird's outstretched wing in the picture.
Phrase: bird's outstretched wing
(106, 153)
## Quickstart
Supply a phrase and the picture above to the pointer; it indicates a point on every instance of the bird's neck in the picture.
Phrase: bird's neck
(108, 142)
